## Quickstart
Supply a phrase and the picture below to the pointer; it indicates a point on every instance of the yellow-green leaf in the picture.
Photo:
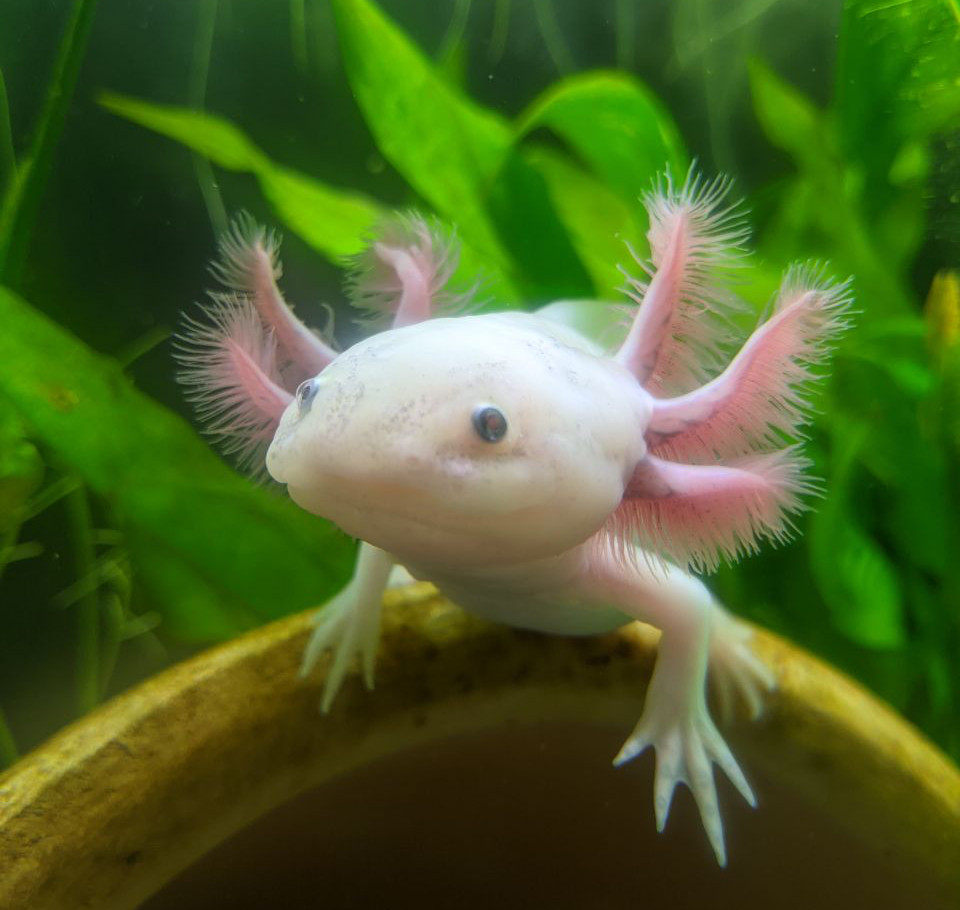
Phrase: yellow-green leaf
(615, 124)
(261, 555)
(458, 156)
(333, 221)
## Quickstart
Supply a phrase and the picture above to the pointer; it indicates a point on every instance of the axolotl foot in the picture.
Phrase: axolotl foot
(349, 624)
(687, 745)
(687, 742)
(697, 635)
(735, 670)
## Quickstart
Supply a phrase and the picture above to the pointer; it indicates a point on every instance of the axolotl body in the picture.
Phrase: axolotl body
(535, 478)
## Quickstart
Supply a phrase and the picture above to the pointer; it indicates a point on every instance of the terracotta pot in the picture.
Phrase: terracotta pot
(477, 774)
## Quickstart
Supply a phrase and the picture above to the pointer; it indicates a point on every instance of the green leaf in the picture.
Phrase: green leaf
(21, 469)
(331, 220)
(21, 200)
(334, 222)
(216, 139)
(262, 555)
(942, 313)
(853, 574)
(873, 616)
(599, 221)
(599, 321)
(528, 222)
(8, 158)
(889, 395)
(790, 120)
(446, 147)
(802, 224)
(897, 348)
(193, 608)
(896, 77)
(456, 155)
(615, 124)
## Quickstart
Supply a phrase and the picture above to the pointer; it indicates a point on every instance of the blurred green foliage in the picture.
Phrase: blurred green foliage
(543, 202)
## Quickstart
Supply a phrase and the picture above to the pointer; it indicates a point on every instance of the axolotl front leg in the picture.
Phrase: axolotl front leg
(696, 633)
(349, 624)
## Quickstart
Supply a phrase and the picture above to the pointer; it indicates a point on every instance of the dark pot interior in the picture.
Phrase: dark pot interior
(536, 816)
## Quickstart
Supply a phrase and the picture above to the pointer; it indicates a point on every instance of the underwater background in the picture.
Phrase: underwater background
(131, 132)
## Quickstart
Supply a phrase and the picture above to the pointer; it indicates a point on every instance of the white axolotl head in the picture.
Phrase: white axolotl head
(508, 437)
(464, 439)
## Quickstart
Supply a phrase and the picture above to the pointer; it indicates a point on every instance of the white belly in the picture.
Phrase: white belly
(545, 596)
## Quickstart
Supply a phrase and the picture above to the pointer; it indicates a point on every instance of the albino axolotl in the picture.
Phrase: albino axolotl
(533, 477)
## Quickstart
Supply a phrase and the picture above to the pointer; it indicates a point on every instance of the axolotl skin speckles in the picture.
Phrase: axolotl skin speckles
(534, 477)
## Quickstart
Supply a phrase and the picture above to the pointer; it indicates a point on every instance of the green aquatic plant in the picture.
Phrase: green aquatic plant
(863, 167)
(543, 202)
(27, 177)
(21, 186)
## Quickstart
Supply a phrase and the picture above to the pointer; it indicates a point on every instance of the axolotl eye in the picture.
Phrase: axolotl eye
(490, 423)
(306, 392)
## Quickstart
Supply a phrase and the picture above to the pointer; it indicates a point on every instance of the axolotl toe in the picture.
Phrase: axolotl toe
(534, 477)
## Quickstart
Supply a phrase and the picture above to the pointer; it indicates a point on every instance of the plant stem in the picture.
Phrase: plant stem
(715, 89)
(455, 30)
(87, 605)
(200, 69)
(8, 747)
(626, 33)
(553, 36)
(8, 158)
(501, 26)
(112, 626)
(8, 540)
(22, 198)
(48, 496)
(132, 352)
(298, 35)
